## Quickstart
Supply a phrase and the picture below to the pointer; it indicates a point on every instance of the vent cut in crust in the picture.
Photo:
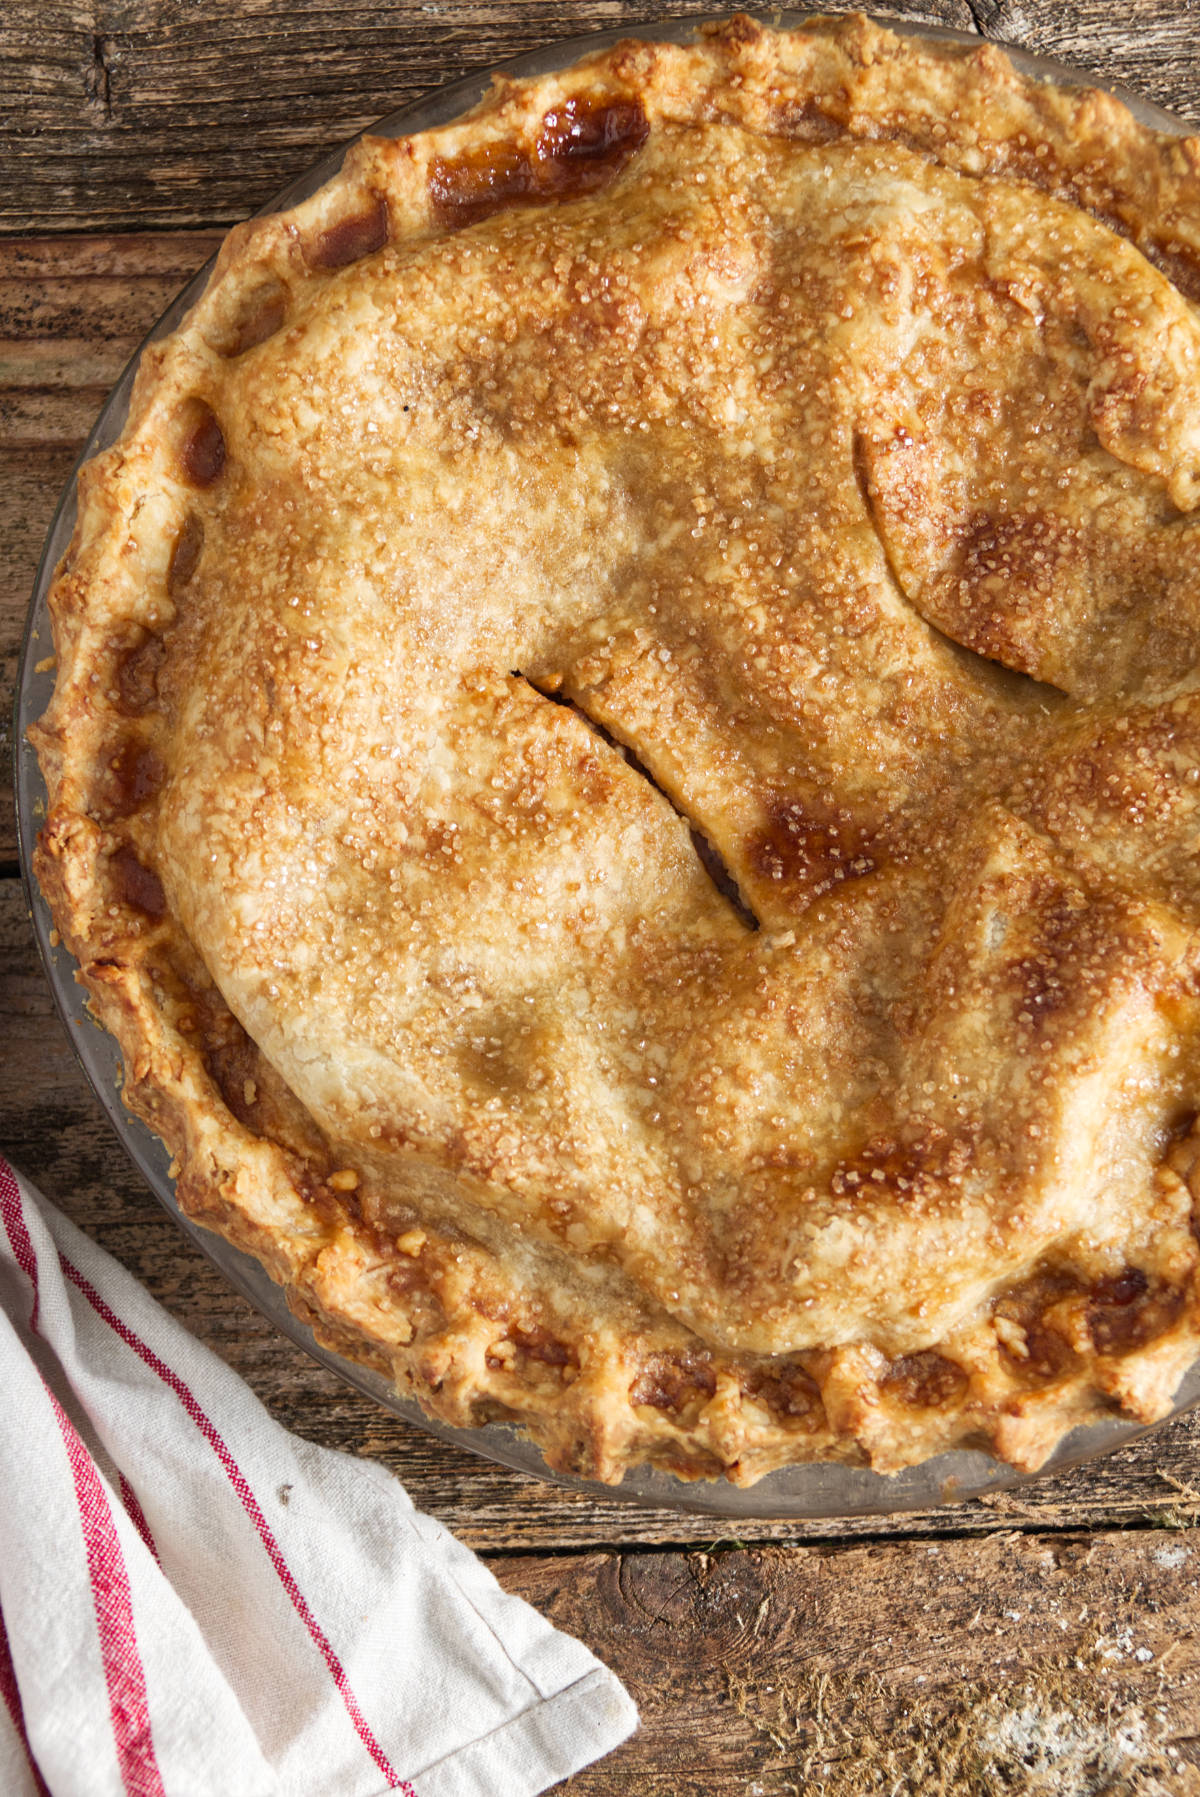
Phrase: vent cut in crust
(625, 766)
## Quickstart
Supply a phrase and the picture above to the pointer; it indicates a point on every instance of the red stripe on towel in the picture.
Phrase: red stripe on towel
(112, 1597)
(253, 1510)
(18, 1234)
(128, 1703)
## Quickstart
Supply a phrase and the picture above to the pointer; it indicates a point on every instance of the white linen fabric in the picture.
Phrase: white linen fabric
(195, 1603)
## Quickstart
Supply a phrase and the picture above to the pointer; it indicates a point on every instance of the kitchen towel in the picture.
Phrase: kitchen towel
(196, 1603)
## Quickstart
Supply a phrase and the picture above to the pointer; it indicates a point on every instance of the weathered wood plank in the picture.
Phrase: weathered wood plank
(30, 484)
(135, 256)
(53, 1127)
(72, 312)
(1149, 48)
(142, 113)
(1044, 1665)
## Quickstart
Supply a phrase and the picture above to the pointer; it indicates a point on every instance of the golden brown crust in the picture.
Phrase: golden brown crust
(625, 754)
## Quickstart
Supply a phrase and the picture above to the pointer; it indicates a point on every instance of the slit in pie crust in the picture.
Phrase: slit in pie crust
(625, 765)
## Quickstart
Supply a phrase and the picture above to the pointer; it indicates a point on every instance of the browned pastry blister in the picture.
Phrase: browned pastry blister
(626, 754)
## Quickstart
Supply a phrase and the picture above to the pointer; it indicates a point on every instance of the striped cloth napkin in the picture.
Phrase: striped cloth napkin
(194, 1603)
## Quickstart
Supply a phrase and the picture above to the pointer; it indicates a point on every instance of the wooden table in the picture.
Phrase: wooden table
(1040, 1641)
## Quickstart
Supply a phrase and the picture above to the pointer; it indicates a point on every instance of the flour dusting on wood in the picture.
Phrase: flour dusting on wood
(1055, 1734)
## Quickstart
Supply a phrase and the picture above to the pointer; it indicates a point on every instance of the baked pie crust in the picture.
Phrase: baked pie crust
(625, 765)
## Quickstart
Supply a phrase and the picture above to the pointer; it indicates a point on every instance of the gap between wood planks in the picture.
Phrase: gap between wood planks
(1029, 1524)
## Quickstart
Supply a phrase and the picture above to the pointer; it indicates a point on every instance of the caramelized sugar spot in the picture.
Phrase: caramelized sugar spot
(582, 144)
(813, 847)
(350, 239)
(135, 884)
(201, 444)
(788, 1389)
(465, 188)
(1035, 1349)
(586, 141)
(230, 1058)
(137, 675)
(185, 555)
(536, 1344)
(539, 1344)
(912, 1168)
(925, 1380)
(672, 1382)
(1129, 1310)
(132, 775)
(809, 121)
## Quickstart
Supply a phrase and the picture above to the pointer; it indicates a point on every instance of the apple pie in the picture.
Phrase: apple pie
(625, 762)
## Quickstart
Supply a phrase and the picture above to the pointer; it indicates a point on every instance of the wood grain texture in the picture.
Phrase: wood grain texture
(1150, 48)
(132, 114)
(72, 313)
(1048, 1666)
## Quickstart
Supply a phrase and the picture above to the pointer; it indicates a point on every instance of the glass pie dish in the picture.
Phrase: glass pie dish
(807, 1490)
